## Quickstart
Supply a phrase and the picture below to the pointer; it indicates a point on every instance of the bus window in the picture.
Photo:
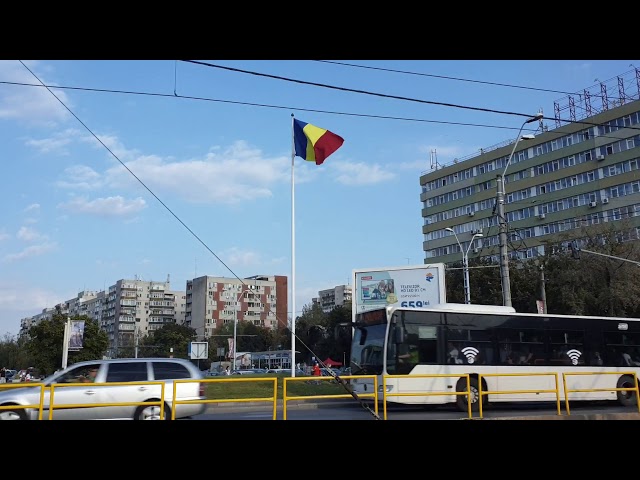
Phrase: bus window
(622, 349)
(521, 346)
(567, 347)
(467, 346)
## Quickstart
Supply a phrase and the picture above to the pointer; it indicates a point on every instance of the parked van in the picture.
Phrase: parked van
(91, 387)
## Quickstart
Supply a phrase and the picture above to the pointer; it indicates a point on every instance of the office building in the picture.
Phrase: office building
(583, 172)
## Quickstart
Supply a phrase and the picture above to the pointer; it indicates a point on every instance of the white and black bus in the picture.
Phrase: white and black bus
(451, 339)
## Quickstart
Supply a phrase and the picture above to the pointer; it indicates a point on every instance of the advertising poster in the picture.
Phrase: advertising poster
(76, 336)
(412, 286)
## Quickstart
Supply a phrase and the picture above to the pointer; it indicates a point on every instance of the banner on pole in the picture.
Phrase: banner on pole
(76, 337)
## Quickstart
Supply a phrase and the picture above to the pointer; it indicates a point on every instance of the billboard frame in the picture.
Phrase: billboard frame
(436, 269)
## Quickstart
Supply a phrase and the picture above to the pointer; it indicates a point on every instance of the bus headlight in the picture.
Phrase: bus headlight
(389, 388)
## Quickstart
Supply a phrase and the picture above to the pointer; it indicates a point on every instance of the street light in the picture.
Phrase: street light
(502, 221)
(465, 262)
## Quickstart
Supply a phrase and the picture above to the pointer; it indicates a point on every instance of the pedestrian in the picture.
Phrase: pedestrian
(3, 375)
(227, 371)
(316, 370)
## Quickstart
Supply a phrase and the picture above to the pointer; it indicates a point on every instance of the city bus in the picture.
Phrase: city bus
(453, 340)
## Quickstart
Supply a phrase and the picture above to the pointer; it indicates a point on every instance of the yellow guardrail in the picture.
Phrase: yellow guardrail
(39, 406)
(500, 392)
(54, 386)
(286, 397)
(273, 398)
(423, 394)
(620, 389)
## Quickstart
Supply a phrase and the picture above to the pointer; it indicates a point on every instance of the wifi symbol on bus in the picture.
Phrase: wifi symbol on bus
(470, 353)
(574, 355)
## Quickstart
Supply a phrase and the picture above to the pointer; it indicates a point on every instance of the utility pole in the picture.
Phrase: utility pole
(502, 219)
(543, 291)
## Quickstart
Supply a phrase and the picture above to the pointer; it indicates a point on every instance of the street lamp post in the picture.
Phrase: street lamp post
(502, 220)
(465, 262)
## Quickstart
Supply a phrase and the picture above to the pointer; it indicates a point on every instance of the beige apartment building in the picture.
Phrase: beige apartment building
(215, 301)
(128, 309)
(333, 297)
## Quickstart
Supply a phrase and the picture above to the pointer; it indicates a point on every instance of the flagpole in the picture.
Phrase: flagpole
(293, 256)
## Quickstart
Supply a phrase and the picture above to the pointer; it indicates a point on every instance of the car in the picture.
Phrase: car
(94, 401)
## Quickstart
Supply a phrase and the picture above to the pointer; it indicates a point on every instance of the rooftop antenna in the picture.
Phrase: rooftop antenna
(434, 160)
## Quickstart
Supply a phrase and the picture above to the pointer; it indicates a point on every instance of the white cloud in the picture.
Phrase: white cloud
(239, 173)
(4, 236)
(361, 173)
(55, 144)
(105, 207)
(34, 105)
(238, 258)
(28, 234)
(33, 206)
(12, 297)
(80, 177)
(114, 144)
(32, 251)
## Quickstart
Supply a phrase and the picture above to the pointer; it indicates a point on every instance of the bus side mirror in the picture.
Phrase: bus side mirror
(338, 329)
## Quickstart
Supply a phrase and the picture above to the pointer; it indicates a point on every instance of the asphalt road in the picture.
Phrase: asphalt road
(352, 410)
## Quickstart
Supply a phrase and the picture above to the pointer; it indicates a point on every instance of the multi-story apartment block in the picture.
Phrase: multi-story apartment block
(127, 309)
(582, 173)
(333, 297)
(215, 301)
(136, 308)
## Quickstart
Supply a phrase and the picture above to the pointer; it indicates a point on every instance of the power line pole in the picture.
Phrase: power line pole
(543, 291)
(502, 219)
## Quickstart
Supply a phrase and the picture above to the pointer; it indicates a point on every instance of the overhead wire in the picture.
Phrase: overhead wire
(338, 379)
(444, 77)
(315, 84)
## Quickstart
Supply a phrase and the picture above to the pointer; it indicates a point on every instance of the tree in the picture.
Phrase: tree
(171, 336)
(12, 353)
(45, 343)
(309, 329)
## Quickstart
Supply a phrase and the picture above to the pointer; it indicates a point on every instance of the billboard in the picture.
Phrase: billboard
(76, 335)
(408, 286)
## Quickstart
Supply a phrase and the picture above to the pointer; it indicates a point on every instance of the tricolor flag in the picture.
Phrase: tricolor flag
(314, 144)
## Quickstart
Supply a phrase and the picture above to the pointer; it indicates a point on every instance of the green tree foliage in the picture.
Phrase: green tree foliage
(160, 342)
(13, 355)
(310, 326)
(592, 285)
(45, 343)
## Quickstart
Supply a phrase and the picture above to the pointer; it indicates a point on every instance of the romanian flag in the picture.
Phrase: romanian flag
(314, 144)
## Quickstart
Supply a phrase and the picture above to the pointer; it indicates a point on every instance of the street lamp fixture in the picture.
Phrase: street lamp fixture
(465, 262)
(502, 220)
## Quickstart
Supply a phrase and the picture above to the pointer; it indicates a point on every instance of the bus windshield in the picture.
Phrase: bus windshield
(367, 349)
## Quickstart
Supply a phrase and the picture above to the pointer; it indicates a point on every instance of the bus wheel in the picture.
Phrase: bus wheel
(461, 400)
(626, 397)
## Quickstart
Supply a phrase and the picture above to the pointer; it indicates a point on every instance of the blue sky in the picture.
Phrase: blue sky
(73, 218)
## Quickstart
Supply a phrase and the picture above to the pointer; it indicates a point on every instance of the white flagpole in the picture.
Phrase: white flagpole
(293, 256)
